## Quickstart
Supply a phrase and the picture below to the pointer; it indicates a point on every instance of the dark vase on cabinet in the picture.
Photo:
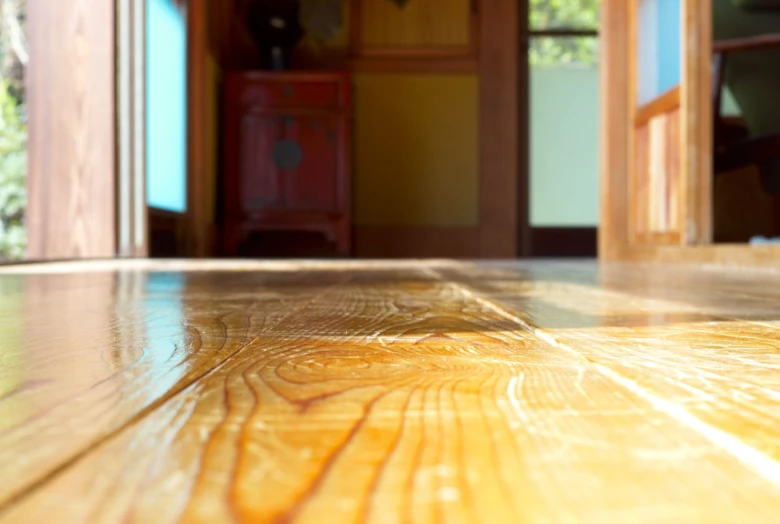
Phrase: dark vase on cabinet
(287, 150)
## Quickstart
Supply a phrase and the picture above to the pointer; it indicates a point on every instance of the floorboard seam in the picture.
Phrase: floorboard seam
(760, 463)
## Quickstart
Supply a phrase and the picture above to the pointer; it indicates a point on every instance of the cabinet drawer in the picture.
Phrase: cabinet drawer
(292, 93)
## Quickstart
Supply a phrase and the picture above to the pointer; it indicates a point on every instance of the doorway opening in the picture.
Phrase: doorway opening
(563, 106)
(746, 122)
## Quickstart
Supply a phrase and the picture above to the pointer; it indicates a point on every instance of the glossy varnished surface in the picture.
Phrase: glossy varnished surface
(388, 392)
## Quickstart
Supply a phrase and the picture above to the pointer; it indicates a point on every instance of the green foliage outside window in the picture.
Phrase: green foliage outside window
(13, 168)
(13, 130)
(563, 14)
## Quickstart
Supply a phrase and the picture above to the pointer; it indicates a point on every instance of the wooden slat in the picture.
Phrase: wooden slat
(665, 103)
(395, 392)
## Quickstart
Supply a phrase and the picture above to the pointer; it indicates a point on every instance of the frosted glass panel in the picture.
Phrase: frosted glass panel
(564, 134)
(658, 48)
(166, 106)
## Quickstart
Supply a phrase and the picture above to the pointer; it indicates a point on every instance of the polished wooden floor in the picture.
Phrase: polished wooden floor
(388, 392)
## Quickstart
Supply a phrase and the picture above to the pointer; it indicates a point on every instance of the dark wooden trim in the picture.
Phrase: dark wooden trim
(501, 187)
(563, 32)
(422, 65)
(197, 242)
(166, 233)
(665, 103)
(746, 44)
(523, 233)
(563, 241)
(417, 242)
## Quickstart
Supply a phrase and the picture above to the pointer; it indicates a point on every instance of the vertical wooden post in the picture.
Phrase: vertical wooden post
(615, 126)
(198, 240)
(132, 211)
(71, 211)
(499, 138)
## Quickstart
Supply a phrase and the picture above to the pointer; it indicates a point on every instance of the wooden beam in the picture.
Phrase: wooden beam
(667, 102)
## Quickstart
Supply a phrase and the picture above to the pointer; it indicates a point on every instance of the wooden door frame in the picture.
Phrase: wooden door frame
(616, 131)
(137, 223)
(198, 241)
(71, 185)
(132, 214)
(503, 136)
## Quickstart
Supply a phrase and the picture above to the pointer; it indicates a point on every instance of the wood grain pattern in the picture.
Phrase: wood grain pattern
(387, 392)
(689, 208)
(425, 27)
(722, 352)
(71, 208)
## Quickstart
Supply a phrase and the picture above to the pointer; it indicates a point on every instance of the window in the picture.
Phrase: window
(563, 76)
(166, 108)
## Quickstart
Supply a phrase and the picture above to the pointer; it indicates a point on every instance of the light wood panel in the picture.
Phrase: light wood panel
(625, 229)
(71, 201)
(423, 27)
(656, 183)
(388, 392)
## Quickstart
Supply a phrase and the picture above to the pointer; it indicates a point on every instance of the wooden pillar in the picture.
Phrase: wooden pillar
(499, 138)
(71, 211)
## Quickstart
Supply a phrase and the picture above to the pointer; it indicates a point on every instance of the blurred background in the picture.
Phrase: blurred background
(310, 128)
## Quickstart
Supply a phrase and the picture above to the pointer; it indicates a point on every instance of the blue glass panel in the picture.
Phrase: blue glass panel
(166, 106)
(658, 48)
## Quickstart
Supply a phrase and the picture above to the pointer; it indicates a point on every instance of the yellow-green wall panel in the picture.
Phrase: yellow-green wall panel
(416, 142)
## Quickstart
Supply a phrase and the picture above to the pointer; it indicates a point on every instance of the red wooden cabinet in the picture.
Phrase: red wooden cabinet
(287, 155)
